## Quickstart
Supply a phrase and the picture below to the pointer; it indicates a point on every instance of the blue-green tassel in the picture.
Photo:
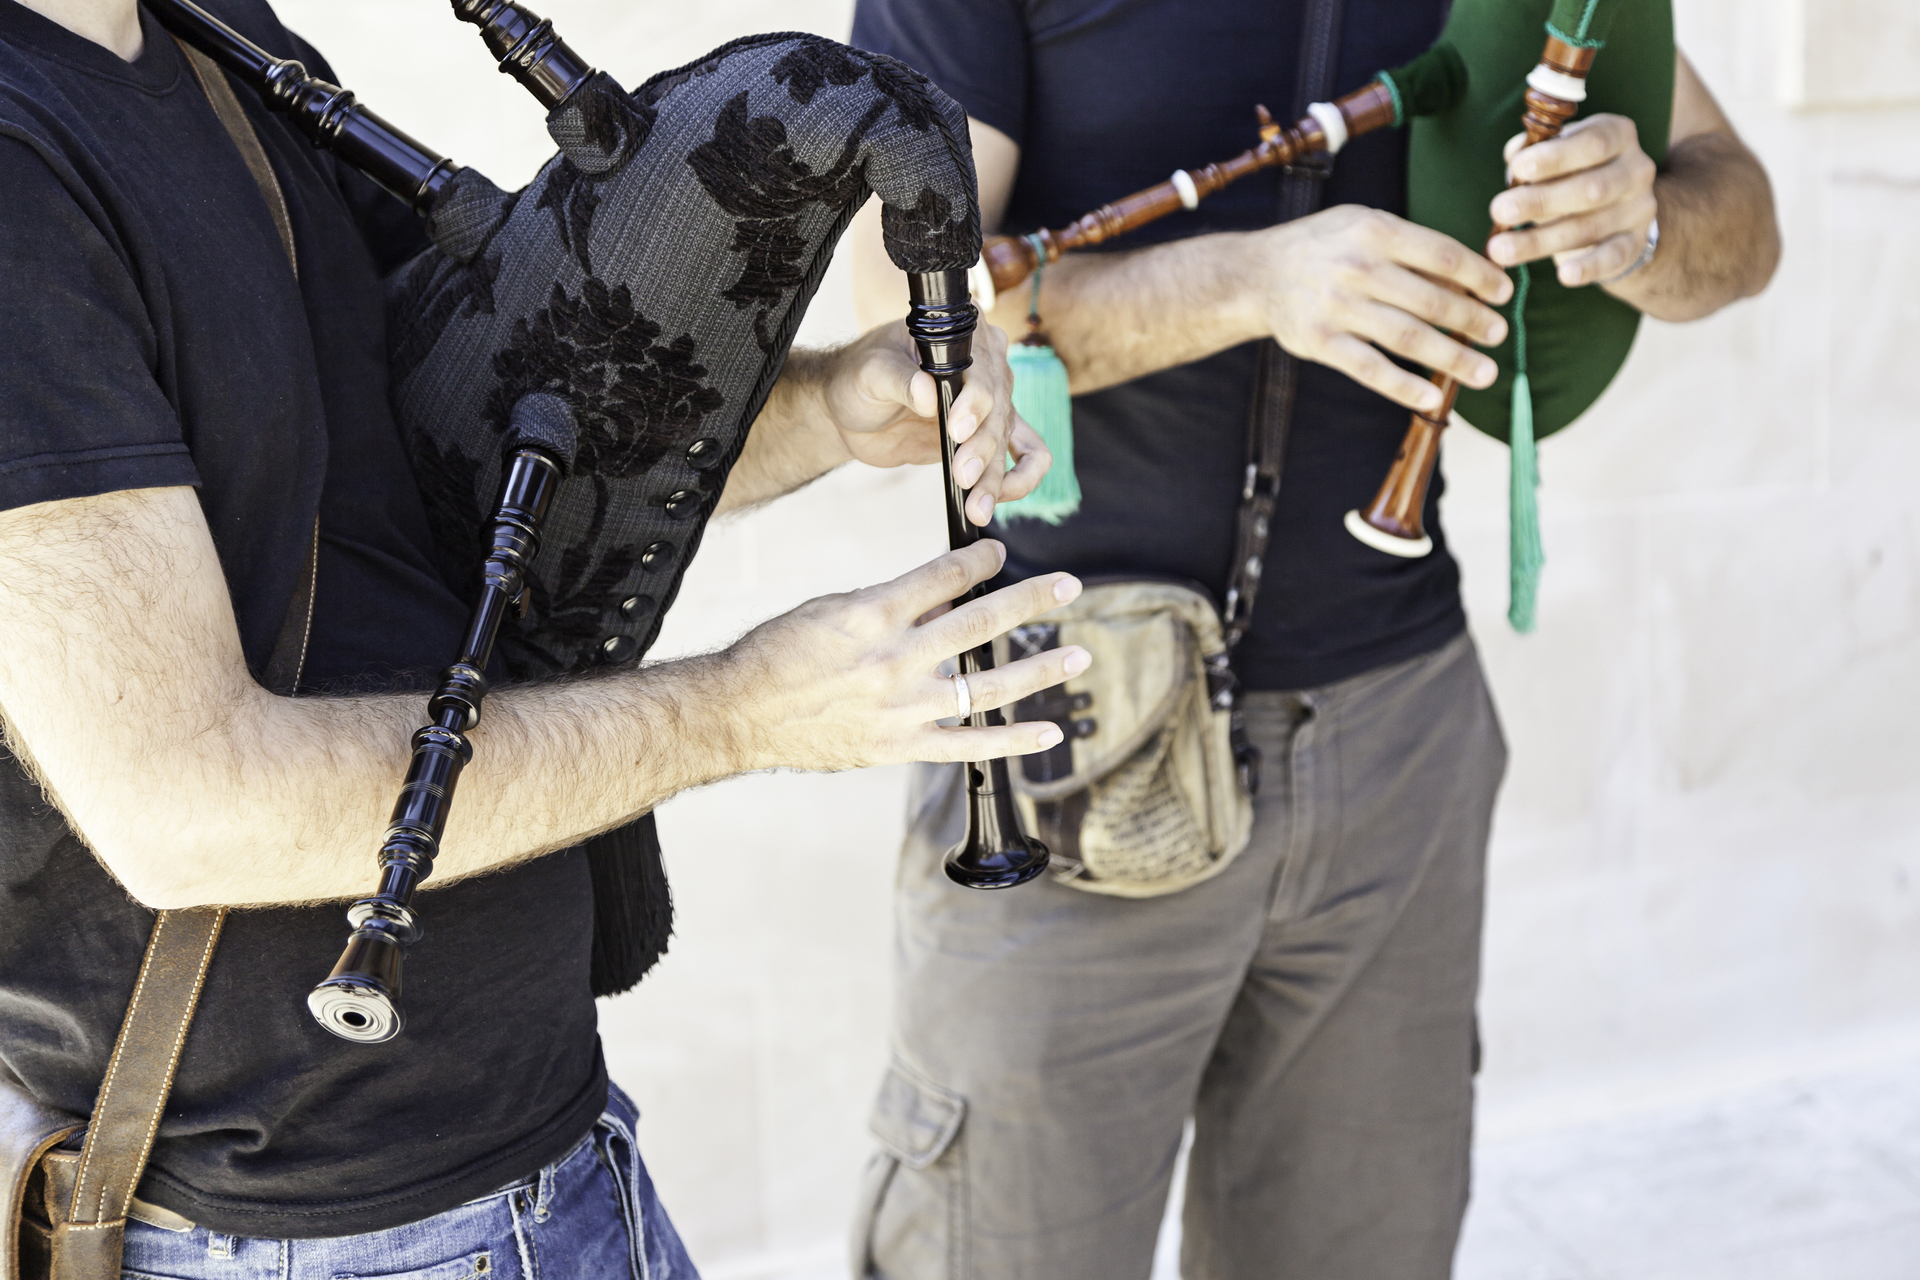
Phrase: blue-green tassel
(1040, 394)
(1525, 555)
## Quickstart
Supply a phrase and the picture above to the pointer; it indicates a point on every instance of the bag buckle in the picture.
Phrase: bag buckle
(1246, 756)
(1222, 684)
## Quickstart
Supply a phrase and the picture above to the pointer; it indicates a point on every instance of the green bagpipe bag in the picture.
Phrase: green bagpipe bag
(1563, 345)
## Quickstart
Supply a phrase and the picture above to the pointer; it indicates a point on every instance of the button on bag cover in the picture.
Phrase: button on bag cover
(652, 277)
(1577, 339)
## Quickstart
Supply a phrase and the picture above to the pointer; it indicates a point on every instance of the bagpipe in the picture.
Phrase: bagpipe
(1433, 82)
(1563, 345)
(575, 366)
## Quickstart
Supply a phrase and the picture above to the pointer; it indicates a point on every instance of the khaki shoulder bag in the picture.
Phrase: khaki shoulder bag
(63, 1215)
(1150, 791)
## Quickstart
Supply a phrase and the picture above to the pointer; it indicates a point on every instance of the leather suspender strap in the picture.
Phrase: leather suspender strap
(227, 107)
(1272, 412)
(289, 660)
(87, 1245)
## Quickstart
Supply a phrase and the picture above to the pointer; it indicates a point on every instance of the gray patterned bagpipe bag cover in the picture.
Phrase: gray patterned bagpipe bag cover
(649, 282)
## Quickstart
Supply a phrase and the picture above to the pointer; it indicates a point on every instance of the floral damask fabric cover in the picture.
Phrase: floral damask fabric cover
(651, 278)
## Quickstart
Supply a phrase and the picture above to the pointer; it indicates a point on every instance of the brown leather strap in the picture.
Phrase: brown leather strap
(228, 108)
(289, 660)
(120, 1135)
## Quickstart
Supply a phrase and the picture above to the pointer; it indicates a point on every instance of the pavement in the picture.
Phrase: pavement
(1811, 1177)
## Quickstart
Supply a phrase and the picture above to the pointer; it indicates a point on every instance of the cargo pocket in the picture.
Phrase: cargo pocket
(911, 1223)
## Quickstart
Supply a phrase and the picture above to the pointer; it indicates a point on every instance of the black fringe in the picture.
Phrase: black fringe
(632, 905)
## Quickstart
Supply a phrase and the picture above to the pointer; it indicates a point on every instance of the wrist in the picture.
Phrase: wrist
(1251, 267)
(804, 412)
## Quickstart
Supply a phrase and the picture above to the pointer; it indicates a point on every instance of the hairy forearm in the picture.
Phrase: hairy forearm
(1113, 317)
(1718, 238)
(194, 785)
(792, 442)
(289, 799)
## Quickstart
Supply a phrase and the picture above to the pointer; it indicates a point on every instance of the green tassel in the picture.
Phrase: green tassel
(1040, 394)
(1525, 555)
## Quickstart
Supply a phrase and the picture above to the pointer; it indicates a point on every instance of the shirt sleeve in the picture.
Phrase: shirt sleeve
(81, 412)
(975, 50)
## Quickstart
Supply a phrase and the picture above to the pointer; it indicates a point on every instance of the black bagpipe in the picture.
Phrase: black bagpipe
(575, 366)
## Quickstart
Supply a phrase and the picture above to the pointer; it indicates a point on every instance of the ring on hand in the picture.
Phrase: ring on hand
(964, 694)
(1646, 254)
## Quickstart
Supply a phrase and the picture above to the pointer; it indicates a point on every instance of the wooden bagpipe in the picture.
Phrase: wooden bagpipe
(575, 366)
(1435, 81)
(1564, 345)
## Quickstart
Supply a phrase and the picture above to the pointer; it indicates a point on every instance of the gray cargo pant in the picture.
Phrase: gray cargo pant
(1311, 1008)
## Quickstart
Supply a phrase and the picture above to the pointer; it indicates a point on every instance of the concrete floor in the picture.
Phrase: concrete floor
(1815, 1177)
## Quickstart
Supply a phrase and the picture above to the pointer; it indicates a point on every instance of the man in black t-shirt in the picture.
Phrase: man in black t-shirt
(1310, 1007)
(179, 411)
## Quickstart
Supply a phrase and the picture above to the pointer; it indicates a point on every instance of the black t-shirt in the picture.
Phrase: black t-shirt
(1109, 96)
(153, 334)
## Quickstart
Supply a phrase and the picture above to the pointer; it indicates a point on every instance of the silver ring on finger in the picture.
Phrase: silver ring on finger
(964, 695)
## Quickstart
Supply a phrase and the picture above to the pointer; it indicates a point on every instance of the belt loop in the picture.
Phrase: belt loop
(543, 1199)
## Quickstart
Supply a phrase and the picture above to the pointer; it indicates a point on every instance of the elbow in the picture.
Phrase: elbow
(1766, 256)
(160, 874)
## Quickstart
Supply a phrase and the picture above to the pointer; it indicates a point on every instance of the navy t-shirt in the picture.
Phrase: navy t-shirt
(152, 334)
(1106, 97)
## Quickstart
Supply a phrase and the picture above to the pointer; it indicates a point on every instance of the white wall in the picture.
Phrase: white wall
(1704, 862)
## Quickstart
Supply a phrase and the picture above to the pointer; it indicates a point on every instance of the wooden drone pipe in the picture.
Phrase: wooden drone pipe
(1394, 521)
(1011, 259)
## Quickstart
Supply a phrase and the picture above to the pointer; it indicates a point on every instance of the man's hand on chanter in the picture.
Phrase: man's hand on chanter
(126, 690)
(868, 401)
(884, 407)
(851, 680)
(1585, 199)
(1346, 283)
(1590, 196)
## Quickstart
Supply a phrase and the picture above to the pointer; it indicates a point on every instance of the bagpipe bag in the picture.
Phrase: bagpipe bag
(1575, 340)
(647, 285)
(648, 282)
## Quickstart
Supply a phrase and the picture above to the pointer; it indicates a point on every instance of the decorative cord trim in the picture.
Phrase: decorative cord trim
(1578, 42)
(1399, 104)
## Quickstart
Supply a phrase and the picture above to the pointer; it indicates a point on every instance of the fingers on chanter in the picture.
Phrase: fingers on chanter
(1370, 369)
(999, 687)
(1438, 305)
(976, 622)
(1444, 258)
(917, 593)
(955, 746)
(1413, 339)
(1600, 262)
(1032, 461)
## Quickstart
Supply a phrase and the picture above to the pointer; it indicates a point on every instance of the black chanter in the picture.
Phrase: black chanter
(575, 367)
(995, 853)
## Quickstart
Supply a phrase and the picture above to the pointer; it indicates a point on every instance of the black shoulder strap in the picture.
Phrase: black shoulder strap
(1272, 412)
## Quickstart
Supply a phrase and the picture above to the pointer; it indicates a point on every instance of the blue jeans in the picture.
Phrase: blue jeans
(590, 1215)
